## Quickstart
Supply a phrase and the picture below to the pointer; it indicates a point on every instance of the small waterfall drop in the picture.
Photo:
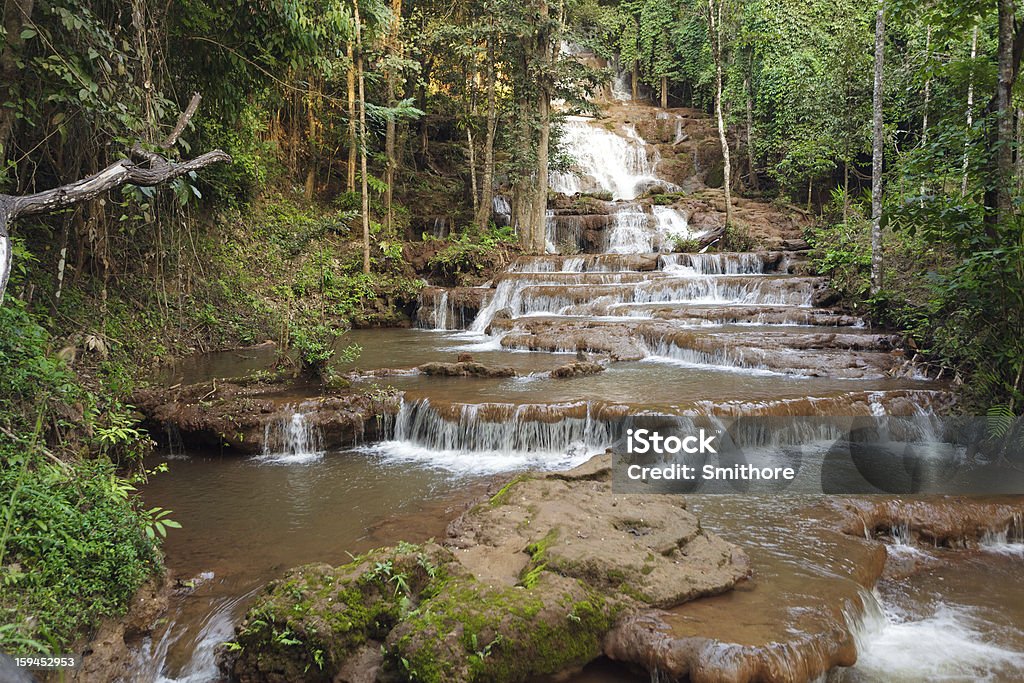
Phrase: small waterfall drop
(487, 438)
(630, 232)
(948, 644)
(291, 440)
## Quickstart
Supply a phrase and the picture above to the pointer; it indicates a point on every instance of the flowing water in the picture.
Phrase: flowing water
(681, 335)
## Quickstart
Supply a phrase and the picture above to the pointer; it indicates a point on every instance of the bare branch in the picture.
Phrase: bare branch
(154, 171)
(183, 120)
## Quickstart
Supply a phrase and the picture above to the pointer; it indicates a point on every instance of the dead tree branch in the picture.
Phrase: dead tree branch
(143, 168)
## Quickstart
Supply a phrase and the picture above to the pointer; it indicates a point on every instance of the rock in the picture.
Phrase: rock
(465, 358)
(577, 369)
(795, 245)
(226, 415)
(825, 297)
(527, 584)
(465, 369)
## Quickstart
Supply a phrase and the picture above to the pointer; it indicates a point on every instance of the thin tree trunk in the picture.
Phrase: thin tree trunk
(635, 81)
(664, 92)
(846, 192)
(970, 113)
(391, 131)
(471, 153)
(715, 25)
(927, 104)
(363, 183)
(483, 213)
(350, 183)
(748, 88)
(16, 16)
(1004, 144)
(877, 150)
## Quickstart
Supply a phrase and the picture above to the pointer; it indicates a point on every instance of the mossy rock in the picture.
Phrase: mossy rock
(304, 626)
(475, 632)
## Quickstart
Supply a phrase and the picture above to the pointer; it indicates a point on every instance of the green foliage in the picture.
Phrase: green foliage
(73, 548)
(471, 252)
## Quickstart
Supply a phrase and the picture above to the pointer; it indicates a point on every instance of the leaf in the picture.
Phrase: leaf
(28, 33)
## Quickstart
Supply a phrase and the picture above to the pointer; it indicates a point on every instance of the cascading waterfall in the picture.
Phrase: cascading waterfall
(672, 225)
(630, 231)
(480, 439)
(716, 264)
(605, 162)
(501, 209)
(290, 440)
(1008, 541)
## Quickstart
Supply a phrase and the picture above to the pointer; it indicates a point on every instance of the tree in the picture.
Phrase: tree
(877, 150)
(715, 12)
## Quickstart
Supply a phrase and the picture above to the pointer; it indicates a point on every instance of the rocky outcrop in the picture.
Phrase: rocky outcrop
(229, 416)
(947, 521)
(527, 583)
(465, 369)
(577, 369)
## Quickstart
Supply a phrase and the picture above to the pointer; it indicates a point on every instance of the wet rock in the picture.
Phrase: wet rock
(826, 297)
(228, 416)
(795, 245)
(465, 369)
(108, 655)
(527, 584)
(577, 369)
(946, 521)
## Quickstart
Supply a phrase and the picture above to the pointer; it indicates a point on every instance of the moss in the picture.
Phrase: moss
(474, 632)
(501, 497)
(304, 626)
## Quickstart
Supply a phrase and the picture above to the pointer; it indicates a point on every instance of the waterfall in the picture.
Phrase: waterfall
(605, 162)
(291, 440)
(672, 225)
(630, 232)
(486, 438)
(501, 209)
(715, 264)
(948, 643)
(1007, 541)
(441, 311)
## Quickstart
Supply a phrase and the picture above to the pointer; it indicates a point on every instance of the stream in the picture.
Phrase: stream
(681, 334)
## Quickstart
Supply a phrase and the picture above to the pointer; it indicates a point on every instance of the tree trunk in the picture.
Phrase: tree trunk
(1004, 145)
(635, 81)
(548, 52)
(17, 14)
(927, 104)
(877, 150)
(352, 141)
(748, 88)
(664, 92)
(471, 153)
(364, 189)
(483, 212)
(970, 113)
(391, 131)
(715, 26)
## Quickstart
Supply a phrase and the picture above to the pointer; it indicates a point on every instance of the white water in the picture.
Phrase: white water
(943, 642)
(605, 162)
(475, 443)
(672, 225)
(290, 441)
(630, 232)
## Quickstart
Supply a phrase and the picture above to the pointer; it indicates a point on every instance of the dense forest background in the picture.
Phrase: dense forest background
(356, 130)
